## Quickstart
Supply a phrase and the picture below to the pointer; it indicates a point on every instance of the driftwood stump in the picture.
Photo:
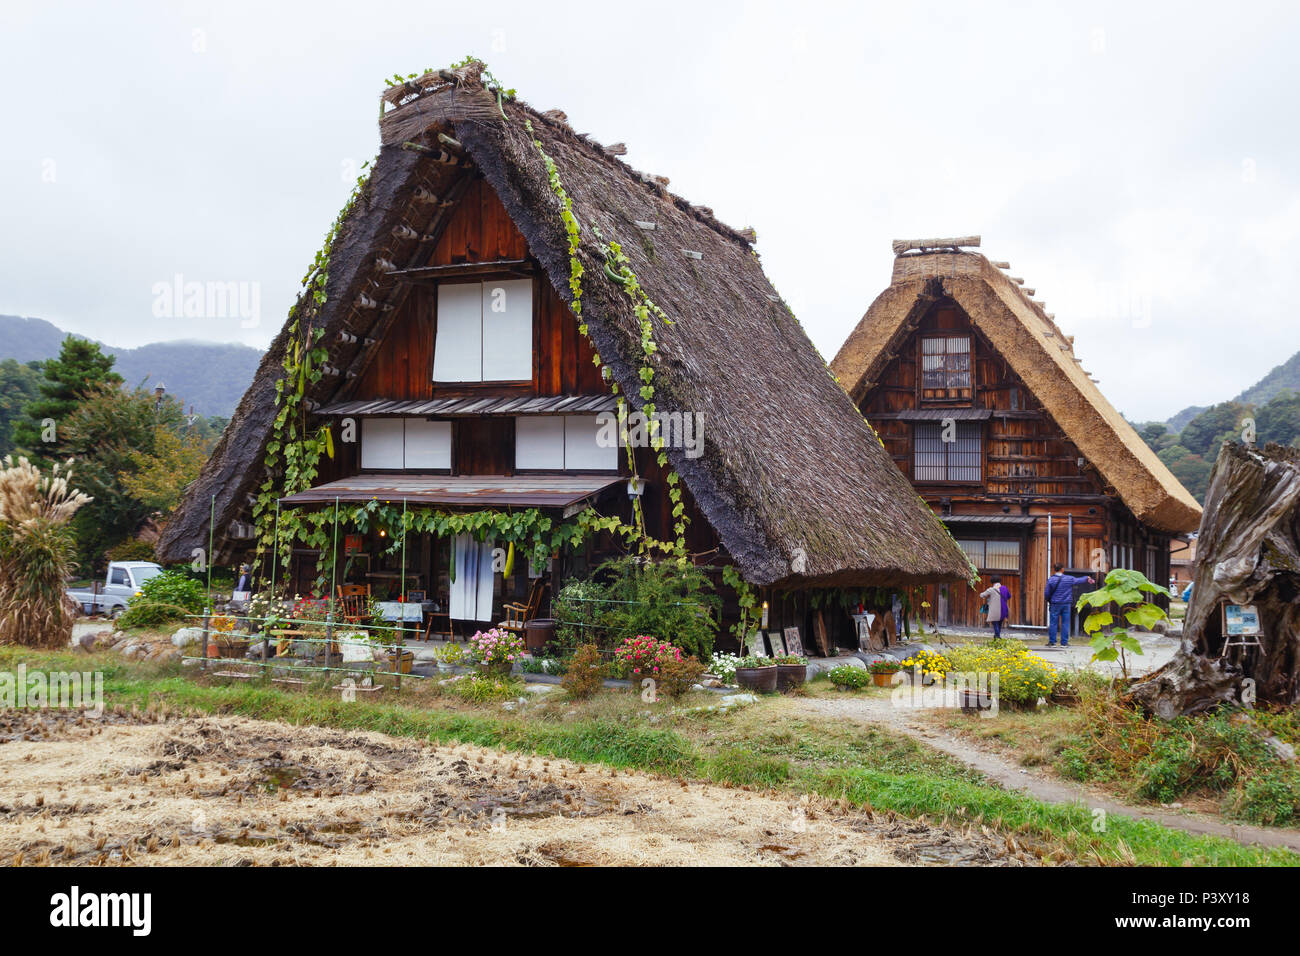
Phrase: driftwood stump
(1247, 552)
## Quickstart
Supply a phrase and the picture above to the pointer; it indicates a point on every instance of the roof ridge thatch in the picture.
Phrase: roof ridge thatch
(1023, 332)
(793, 480)
(469, 78)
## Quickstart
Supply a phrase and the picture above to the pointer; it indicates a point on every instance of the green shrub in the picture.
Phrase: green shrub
(849, 678)
(132, 550)
(163, 599)
(1223, 753)
(627, 596)
(481, 689)
(585, 672)
(676, 678)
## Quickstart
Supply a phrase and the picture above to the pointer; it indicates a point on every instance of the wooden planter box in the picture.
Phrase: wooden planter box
(290, 683)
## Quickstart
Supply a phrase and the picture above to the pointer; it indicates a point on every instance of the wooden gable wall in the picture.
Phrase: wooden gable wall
(1025, 451)
(1029, 468)
(479, 230)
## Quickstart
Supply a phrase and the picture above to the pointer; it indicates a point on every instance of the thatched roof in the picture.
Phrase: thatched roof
(1036, 349)
(792, 478)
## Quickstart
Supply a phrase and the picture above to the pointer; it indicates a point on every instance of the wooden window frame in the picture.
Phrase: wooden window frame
(984, 540)
(977, 427)
(947, 399)
(520, 386)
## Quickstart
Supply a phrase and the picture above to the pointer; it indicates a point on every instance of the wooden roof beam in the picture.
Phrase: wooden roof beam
(901, 246)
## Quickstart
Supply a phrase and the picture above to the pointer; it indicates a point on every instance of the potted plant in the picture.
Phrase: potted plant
(225, 642)
(757, 674)
(496, 650)
(450, 656)
(791, 671)
(883, 671)
(1065, 691)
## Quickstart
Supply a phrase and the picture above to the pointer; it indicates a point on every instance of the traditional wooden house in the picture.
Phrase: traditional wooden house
(979, 399)
(496, 286)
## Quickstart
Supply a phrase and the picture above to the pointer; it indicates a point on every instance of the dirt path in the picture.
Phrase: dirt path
(227, 790)
(1050, 789)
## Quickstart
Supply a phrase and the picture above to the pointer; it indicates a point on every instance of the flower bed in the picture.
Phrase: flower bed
(1022, 677)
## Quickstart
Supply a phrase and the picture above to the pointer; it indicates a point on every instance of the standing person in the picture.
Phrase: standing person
(995, 599)
(1059, 593)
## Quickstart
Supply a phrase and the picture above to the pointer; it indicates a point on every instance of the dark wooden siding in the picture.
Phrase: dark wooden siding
(1029, 468)
(479, 231)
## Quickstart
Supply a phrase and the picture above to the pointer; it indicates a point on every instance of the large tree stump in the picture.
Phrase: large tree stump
(1247, 552)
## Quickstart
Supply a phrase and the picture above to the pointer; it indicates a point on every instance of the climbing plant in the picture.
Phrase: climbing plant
(293, 450)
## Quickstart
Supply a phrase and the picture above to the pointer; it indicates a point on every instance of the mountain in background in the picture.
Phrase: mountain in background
(1286, 375)
(210, 376)
(1179, 420)
(1189, 442)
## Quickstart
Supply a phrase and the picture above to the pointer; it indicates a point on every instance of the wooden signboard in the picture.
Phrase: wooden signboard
(819, 632)
(778, 645)
(793, 645)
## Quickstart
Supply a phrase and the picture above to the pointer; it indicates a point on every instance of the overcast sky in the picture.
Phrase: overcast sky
(1136, 163)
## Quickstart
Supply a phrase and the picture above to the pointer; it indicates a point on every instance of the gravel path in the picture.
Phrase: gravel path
(875, 710)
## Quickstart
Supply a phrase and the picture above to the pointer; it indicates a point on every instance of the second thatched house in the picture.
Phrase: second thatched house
(978, 397)
(496, 289)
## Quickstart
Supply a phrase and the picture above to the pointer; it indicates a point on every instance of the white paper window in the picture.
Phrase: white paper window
(581, 452)
(508, 330)
(539, 442)
(427, 444)
(562, 443)
(485, 332)
(458, 348)
(405, 443)
(381, 443)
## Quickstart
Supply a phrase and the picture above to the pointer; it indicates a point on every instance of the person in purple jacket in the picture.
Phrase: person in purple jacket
(1059, 593)
(995, 600)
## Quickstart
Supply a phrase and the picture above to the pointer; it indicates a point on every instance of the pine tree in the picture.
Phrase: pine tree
(80, 370)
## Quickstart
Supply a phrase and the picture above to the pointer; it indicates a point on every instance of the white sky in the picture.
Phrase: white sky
(1136, 163)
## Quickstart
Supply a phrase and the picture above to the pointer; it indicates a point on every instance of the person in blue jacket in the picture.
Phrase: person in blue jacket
(1059, 593)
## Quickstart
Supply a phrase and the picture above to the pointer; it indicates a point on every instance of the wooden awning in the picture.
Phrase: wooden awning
(571, 493)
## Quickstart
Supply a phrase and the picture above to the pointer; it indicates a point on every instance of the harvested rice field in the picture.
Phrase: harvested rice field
(230, 791)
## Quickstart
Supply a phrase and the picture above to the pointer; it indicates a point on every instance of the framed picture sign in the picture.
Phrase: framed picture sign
(1240, 620)
(793, 645)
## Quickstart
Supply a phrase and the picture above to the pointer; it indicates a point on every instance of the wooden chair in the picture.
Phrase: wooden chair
(517, 615)
(352, 602)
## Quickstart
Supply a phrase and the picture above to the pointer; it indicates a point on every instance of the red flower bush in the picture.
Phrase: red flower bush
(643, 656)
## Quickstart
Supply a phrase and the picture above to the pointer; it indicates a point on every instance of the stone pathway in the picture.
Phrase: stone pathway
(875, 710)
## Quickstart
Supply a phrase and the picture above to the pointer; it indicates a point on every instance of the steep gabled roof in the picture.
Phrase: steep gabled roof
(1043, 357)
(792, 478)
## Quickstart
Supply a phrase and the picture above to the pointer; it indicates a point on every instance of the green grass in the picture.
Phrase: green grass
(764, 746)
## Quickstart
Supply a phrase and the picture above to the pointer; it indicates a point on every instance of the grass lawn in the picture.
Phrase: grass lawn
(761, 746)
(1213, 764)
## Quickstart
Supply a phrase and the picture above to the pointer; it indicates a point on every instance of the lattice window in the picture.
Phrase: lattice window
(945, 368)
(992, 555)
(956, 460)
